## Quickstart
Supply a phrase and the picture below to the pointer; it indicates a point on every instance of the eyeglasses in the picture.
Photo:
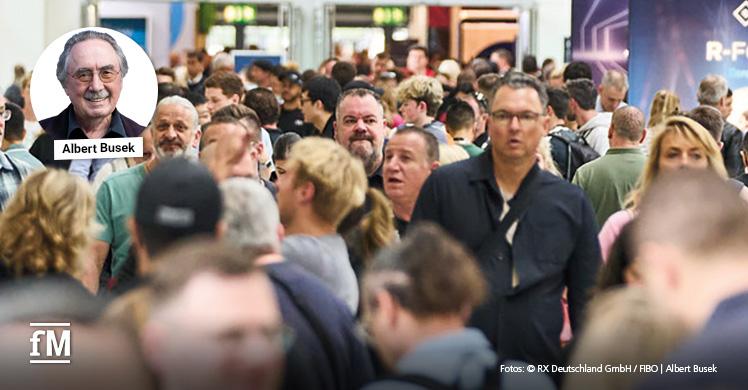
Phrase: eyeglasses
(106, 75)
(504, 118)
(4, 113)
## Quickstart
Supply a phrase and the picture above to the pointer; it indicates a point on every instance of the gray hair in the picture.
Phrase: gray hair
(518, 80)
(180, 101)
(62, 62)
(712, 88)
(222, 60)
(251, 215)
(615, 79)
(628, 123)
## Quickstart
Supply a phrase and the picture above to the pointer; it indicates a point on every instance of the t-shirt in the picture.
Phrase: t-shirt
(291, 121)
(470, 148)
(609, 179)
(327, 258)
(115, 203)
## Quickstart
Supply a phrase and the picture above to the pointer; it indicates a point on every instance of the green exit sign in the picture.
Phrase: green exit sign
(389, 16)
(239, 13)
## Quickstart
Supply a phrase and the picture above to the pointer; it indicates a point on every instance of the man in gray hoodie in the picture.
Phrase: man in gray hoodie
(416, 314)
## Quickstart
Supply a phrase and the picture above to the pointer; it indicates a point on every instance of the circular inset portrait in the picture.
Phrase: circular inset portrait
(93, 83)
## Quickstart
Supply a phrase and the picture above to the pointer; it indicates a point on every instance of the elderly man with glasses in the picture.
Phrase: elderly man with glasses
(91, 69)
(12, 170)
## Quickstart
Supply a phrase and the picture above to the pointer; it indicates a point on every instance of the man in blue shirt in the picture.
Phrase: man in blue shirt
(530, 258)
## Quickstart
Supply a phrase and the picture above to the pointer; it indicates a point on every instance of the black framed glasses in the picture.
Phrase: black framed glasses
(525, 118)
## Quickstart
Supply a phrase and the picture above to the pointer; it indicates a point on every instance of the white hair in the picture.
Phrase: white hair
(251, 215)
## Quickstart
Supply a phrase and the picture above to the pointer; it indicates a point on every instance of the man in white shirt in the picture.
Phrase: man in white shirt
(593, 125)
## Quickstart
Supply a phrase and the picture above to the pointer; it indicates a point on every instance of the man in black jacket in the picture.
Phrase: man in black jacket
(532, 233)
(713, 92)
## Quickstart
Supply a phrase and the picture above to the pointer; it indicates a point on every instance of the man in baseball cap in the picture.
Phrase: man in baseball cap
(291, 118)
(178, 200)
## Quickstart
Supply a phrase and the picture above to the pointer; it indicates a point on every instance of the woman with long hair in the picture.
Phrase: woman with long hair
(682, 143)
(46, 227)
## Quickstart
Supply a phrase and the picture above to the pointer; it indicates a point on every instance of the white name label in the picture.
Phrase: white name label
(80, 149)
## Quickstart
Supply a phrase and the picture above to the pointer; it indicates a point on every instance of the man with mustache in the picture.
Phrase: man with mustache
(174, 128)
(91, 69)
(359, 127)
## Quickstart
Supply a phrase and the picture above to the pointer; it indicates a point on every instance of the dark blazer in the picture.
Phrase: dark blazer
(554, 246)
(64, 126)
(60, 126)
(732, 142)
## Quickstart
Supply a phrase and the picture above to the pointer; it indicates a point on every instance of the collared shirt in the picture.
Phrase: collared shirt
(88, 168)
(12, 173)
(554, 246)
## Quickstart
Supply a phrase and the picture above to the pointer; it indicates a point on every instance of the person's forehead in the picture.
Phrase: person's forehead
(525, 98)
(93, 49)
(613, 90)
(678, 140)
(173, 111)
(407, 142)
(213, 92)
(210, 301)
(359, 105)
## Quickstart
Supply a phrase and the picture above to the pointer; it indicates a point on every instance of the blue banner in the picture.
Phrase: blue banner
(675, 43)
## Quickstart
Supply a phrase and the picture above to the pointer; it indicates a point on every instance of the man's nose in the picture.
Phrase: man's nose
(96, 83)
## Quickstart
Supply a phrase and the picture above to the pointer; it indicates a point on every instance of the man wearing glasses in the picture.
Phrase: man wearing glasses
(533, 233)
(91, 69)
(12, 170)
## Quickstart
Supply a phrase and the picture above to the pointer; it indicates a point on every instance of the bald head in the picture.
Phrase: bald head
(628, 123)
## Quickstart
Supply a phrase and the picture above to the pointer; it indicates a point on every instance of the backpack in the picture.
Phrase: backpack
(570, 151)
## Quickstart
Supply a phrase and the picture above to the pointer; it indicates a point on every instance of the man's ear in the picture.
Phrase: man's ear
(610, 132)
(550, 111)
(335, 129)
(198, 136)
(435, 165)
(235, 99)
(388, 306)
(644, 136)
(306, 192)
(422, 106)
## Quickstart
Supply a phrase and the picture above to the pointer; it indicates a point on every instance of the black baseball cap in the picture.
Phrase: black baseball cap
(265, 65)
(293, 77)
(179, 197)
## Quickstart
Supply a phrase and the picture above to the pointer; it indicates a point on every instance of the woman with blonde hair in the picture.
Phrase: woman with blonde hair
(46, 227)
(682, 143)
(664, 105)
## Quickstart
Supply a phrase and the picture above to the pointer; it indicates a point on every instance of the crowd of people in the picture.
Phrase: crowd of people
(364, 225)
